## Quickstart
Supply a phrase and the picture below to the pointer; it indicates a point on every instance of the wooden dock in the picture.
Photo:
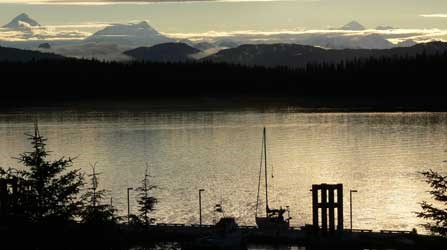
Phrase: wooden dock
(329, 234)
(355, 239)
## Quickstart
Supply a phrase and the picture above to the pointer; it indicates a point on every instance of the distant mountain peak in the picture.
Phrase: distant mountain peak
(385, 27)
(144, 24)
(407, 43)
(354, 25)
(21, 21)
(132, 34)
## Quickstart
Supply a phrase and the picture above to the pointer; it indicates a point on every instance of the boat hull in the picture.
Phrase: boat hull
(271, 224)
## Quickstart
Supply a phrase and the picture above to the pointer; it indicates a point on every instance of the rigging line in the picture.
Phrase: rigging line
(272, 162)
(259, 180)
(265, 166)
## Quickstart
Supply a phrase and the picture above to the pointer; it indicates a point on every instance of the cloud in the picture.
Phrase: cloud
(302, 36)
(434, 15)
(31, 33)
(328, 38)
(50, 32)
(80, 26)
(100, 51)
(136, 2)
(205, 53)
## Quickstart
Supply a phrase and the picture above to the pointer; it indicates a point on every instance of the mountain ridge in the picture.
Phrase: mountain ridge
(165, 52)
(19, 55)
(295, 55)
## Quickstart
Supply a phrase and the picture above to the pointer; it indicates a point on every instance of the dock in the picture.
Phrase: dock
(326, 232)
(304, 236)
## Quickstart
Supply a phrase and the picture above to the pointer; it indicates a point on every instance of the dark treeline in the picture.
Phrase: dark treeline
(345, 83)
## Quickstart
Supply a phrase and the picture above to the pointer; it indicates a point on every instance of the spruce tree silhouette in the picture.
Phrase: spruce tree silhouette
(51, 186)
(436, 215)
(94, 210)
(145, 201)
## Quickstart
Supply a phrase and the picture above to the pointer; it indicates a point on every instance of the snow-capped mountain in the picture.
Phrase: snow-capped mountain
(371, 41)
(137, 34)
(354, 25)
(385, 28)
(21, 21)
(406, 43)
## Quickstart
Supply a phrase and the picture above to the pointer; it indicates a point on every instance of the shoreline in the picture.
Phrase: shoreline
(315, 104)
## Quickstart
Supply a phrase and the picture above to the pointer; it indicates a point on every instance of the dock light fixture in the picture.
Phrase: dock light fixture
(128, 204)
(200, 206)
(350, 204)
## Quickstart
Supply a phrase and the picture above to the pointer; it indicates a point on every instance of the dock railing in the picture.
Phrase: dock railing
(395, 232)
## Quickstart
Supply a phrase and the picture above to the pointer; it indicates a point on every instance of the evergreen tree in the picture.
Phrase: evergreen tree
(145, 201)
(19, 199)
(437, 215)
(94, 210)
(51, 187)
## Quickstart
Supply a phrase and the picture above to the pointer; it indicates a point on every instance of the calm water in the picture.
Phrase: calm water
(378, 154)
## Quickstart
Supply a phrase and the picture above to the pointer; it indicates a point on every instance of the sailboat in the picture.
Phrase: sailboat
(274, 219)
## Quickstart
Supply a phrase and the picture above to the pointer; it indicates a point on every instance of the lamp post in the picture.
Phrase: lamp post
(111, 204)
(200, 205)
(350, 205)
(128, 205)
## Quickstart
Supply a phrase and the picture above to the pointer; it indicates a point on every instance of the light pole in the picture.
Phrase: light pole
(350, 204)
(111, 204)
(200, 205)
(128, 205)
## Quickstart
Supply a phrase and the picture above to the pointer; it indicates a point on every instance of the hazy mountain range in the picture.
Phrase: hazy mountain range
(269, 55)
(300, 55)
(124, 42)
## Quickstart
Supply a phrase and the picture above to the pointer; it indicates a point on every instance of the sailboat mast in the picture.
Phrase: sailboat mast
(265, 165)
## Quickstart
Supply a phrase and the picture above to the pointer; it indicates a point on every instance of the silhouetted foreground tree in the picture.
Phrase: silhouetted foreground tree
(437, 216)
(145, 201)
(99, 223)
(45, 190)
(94, 210)
(41, 204)
(146, 204)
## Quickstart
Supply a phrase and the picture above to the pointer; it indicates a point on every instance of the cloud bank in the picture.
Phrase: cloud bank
(295, 36)
(76, 32)
(40, 33)
(135, 2)
(49, 32)
(434, 15)
(381, 38)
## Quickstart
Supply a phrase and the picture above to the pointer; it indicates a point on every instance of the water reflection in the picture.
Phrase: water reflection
(378, 154)
(274, 247)
(177, 246)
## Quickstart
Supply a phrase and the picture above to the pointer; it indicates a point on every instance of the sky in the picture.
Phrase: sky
(237, 15)
(194, 17)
